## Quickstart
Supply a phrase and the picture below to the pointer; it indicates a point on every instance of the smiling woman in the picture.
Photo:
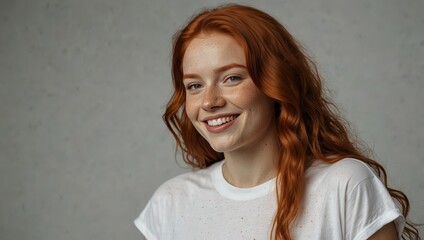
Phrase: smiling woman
(224, 91)
(274, 160)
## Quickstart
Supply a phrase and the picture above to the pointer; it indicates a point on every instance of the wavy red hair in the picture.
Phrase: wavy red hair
(308, 123)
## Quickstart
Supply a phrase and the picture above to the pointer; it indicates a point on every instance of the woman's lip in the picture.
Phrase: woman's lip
(219, 116)
(219, 128)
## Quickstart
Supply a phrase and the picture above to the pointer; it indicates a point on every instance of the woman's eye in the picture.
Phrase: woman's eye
(233, 78)
(193, 86)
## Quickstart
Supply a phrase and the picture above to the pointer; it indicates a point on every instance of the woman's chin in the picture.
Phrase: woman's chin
(222, 148)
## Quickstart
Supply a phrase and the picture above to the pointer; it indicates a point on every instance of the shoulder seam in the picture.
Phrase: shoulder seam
(359, 183)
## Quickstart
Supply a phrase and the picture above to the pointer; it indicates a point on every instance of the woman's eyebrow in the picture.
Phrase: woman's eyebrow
(191, 75)
(218, 70)
(228, 66)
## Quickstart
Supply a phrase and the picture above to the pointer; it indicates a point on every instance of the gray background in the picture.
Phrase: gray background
(83, 85)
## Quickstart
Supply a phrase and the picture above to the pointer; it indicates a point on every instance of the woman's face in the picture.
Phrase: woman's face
(222, 101)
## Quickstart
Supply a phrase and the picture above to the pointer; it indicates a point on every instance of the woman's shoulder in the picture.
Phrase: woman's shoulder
(347, 167)
(352, 195)
(172, 198)
(347, 172)
(185, 184)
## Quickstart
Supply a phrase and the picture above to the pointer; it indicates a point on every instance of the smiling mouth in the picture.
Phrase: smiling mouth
(222, 120)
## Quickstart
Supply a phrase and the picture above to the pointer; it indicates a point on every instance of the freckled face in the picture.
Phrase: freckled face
(222, 101)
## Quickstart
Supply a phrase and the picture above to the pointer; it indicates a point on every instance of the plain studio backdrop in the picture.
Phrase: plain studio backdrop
(83, 85)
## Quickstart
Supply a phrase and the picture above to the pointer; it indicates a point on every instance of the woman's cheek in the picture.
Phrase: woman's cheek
(190, 108)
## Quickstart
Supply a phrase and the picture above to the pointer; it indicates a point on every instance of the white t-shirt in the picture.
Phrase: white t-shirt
(344, 200)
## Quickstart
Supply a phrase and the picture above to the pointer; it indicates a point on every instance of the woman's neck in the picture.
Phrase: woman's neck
(254, 165)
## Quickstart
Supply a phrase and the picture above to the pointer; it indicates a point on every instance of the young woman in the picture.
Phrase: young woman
(274, 159)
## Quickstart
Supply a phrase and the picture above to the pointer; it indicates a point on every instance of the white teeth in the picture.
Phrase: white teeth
(220, 121)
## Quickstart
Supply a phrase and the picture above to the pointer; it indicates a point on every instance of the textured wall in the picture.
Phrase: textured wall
(83, 85)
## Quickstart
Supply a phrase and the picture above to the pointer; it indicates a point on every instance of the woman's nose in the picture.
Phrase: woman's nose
(212, 98)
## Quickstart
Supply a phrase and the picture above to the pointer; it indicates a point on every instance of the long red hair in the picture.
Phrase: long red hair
(308, 123)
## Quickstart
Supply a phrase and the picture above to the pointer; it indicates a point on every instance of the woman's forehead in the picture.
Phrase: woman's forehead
(212, 51)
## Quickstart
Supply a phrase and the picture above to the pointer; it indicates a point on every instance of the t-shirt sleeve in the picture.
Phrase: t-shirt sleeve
(369, 207)
(153, 220)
